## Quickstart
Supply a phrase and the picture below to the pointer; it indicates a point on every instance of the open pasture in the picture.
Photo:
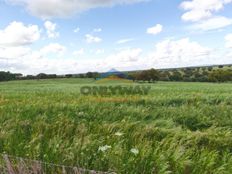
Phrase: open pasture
(176, 128)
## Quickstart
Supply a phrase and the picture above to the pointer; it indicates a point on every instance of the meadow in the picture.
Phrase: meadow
(177, 128)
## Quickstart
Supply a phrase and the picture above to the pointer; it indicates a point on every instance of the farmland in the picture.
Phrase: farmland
(178, 127)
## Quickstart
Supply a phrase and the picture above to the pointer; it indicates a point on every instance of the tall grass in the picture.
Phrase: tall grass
(177, 128)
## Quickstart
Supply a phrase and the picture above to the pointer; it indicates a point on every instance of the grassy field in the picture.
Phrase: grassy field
(177, 128)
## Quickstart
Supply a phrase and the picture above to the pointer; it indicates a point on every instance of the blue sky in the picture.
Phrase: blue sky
(60, 36)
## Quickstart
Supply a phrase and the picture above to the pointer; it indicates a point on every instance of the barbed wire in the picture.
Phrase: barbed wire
(22, 163)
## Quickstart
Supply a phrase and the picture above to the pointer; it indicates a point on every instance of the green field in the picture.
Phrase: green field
(177, 128)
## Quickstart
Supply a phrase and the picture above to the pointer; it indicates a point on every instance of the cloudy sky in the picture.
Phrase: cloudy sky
(73, 36)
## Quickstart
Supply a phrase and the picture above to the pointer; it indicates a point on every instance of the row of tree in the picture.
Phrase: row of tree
(220, 76)
(6, 76)
(187, 75)
(152, 75)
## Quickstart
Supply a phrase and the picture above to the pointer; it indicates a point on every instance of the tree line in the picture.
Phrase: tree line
(185, 75)
(6, 76)
(204, 74)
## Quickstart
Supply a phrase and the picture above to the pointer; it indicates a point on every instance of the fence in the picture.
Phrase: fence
(17, 165)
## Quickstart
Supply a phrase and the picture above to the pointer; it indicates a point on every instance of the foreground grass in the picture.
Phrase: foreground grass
(177, 128)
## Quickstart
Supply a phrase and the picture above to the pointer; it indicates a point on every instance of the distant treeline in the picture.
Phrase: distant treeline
(6, 76)
(205, 74)
(199, 74)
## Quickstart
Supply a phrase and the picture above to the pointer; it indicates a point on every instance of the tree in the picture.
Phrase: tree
(140, 76)
(30, 77)
(89, 75)
(6, 76)
(52, 76)
(42, 76)
(96, 75)
(151, 75)
(210, 68)
(82, 76)
(220, 66)
(68, 75)
(220, 75)
(164, 76)
(176, 76)
(132, 76)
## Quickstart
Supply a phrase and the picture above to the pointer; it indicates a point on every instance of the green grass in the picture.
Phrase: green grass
(177, 128)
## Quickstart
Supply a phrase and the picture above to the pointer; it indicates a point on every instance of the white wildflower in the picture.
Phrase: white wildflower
(81, 113)
(134, 151)
(104, 148)
(118, 134)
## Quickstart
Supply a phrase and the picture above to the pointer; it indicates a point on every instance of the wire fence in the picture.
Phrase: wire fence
(17, 165)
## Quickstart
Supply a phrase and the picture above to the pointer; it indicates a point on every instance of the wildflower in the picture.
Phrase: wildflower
(134, 151)
(118, 134)
(81, 113)
(104, 148)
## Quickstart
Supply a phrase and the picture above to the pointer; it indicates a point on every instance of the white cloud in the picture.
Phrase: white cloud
(17, 34)
(51, 29)
(78, 52)
(13, 52)
(155, 30)
(201, 13)
(167, 53)
(61, 8)
(76, 30)
(196, 15)
(100, 51)
(212, 23)
(97, 30)
(53, 48)
(228, 46)
(201, 9)
(176, 53)
(127, 55)
(122, 41)
(92, 39)
(228, 39)
(33, 62)
(125, 59)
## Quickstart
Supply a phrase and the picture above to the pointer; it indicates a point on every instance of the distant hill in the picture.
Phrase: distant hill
(113, 72)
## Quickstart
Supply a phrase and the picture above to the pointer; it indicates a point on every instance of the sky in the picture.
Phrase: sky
(78, 36)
